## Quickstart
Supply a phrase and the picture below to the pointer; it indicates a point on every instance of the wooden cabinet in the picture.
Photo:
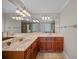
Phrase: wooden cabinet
(51, 44)
(29, 53)
(42, 44)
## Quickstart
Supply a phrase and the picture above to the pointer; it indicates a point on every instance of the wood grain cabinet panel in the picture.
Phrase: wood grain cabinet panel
(58, 44)
(12, 55)
(51, 44)
(42, 47)
(27, 54)
(42, 44)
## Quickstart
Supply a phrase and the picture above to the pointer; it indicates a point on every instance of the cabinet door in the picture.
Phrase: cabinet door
(54, 45)
(46, 44)
(28, 54)
(58, 44)
(49, 46)
(34, 50)
(61, 43)
(43, 46)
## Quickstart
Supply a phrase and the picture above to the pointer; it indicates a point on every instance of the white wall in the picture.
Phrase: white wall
(9, 24)
(69, 17)
(3, 24)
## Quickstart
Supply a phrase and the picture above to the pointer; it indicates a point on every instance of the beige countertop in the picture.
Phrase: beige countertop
(28, 39)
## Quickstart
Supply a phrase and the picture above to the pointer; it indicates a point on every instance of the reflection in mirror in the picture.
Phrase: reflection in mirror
(38, 27)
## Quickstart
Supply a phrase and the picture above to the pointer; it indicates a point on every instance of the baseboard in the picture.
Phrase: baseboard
(67, 57)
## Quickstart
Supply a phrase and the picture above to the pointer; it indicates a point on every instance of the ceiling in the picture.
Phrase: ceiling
(36, 6)
(44, 6)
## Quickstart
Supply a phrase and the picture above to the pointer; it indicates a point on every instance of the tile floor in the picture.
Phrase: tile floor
(50, 56)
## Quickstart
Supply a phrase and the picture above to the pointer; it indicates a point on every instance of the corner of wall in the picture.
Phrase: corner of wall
(67, 57)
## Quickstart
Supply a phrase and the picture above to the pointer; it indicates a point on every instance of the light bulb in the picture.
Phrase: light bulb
(17, 11)
(24, 11)
(48, 17)
(45, 18)
(13, 17)
(22, 14)
(28, 14)
(34, 21)
(37, 21)
(17, 18)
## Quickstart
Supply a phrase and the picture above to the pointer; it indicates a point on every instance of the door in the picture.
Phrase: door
(23, 27)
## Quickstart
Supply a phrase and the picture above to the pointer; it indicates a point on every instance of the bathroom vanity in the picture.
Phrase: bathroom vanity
(28, 49)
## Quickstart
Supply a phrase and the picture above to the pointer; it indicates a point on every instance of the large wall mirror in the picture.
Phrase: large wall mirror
(38, 27)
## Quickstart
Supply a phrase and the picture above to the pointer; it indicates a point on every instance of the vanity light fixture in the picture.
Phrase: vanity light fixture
(23, 12)
(35, 21)
(27, 13)
(45, 18)
(17, 18)
(20, 12)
